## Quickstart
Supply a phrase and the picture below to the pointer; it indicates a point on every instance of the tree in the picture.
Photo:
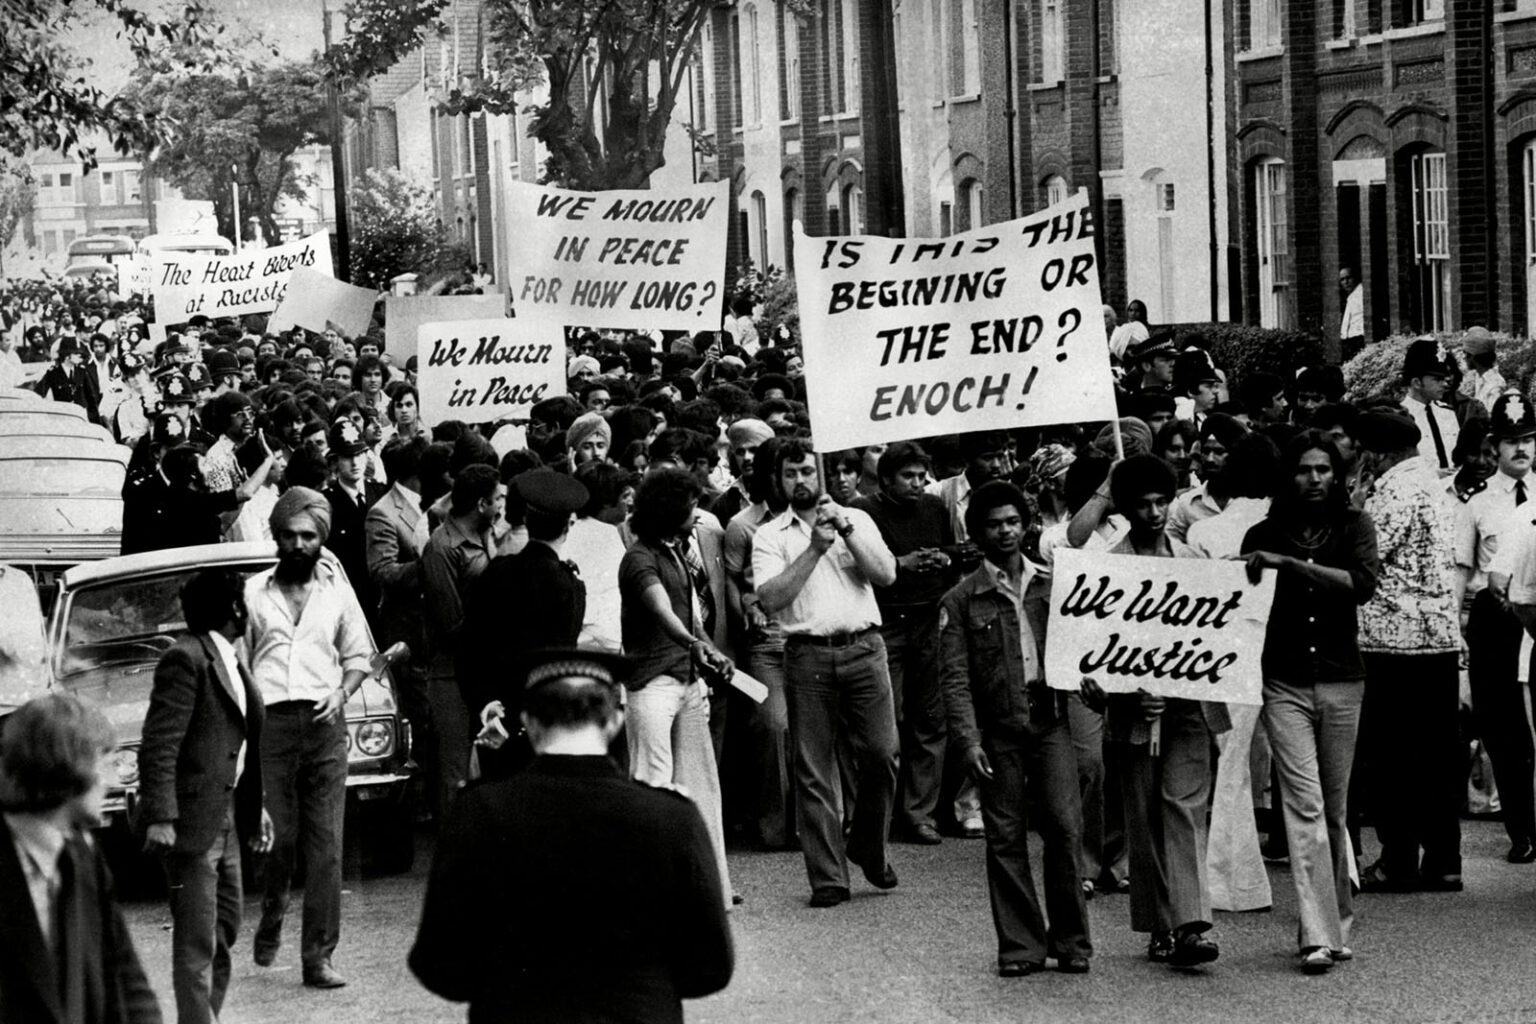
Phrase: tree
(632, 53)
(395, 230)
(46, 101)
(224, 128)
(18, 193)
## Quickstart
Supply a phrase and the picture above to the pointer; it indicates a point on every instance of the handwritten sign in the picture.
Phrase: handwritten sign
(186, 284)
(483, 370)
(404, 315)
(313, 299)
(621, 258)
(995, 328)
(1180, 627)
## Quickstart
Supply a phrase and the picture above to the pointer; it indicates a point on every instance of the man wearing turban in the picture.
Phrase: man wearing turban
(309, 651)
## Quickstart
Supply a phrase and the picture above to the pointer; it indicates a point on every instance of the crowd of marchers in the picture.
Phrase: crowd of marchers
(891, 601)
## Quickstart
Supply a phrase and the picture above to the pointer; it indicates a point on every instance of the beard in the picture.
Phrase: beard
(295, 566)
(803, 498)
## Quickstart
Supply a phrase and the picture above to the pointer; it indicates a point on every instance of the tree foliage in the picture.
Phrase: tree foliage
(395, 230)
(46, 99)
(623, 61)
(245, 128)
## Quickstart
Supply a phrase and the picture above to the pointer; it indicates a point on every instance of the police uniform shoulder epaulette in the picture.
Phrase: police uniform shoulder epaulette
(1465, 495)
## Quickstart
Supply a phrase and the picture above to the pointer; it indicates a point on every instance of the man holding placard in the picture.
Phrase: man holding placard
(1016, 740)
(817, 566)
(1165, 756)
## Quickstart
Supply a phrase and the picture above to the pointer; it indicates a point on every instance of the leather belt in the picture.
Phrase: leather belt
(832, 639)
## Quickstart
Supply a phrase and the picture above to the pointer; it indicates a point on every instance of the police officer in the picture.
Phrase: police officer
(1427, 368)
(522, 602)
(1493, 631)
(534, 873)
(351, 496)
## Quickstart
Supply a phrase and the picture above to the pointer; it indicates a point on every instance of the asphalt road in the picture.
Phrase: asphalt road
(925, 953)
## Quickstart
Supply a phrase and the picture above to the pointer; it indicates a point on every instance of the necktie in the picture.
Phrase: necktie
(1434, 432)
(699, 576)
(1519, 493)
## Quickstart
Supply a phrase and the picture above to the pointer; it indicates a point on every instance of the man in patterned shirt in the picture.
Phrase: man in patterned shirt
(1408, 754)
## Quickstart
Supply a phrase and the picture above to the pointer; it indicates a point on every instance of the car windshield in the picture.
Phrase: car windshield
(123, 621)
(77, 478)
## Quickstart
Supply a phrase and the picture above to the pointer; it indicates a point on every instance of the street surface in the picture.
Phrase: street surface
(925, 953)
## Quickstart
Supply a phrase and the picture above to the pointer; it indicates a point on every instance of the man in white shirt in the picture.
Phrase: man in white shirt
(816, 567)
(1428, 369)
(1352, 324)
(1132, 331)
(309, 649)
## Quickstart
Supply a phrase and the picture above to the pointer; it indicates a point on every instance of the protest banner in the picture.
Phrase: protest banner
(640, 259)
(995, 328)
(313, 299)
(186, 284)
(404, 315)
(481, 370)
(1180, 627)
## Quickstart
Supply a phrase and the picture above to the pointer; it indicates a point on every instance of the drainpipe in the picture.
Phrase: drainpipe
(1010, 111)
(1210, 167)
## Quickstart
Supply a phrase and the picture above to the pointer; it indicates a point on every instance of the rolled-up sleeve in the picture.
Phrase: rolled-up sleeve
(353, 647)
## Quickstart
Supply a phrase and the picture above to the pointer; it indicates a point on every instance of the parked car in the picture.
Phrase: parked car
(112, 621)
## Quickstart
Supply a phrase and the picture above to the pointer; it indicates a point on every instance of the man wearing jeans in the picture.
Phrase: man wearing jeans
(309, 650)
(1016, 739)
(816, 568)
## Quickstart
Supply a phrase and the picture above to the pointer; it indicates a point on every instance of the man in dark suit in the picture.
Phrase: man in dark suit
(396, 530)
(535, 872)
(66, 956)
(351, 496)
(521, 603)
(200, 783)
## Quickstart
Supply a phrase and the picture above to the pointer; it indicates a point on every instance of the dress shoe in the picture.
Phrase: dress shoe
(972, 828)
(1376, 879)
(925, 835)
(1440, 883)
(1072, 964)
(883, 877)
(1190, 949)
(1317, 960)
(322, 975)
(1019, 968)
(265, 956)
(828, 896)
(1522, 851)
(1160, 947)
(1088, 889)
(1342, 954)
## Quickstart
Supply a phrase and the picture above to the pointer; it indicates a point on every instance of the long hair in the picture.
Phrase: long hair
(1287, 503)
(48, 753)
(662, 502)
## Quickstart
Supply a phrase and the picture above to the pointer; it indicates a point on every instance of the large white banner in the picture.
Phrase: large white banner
(483, 370)
(619, 258)
(187, 284)
(1180, 627)
(404, 315)
(995, 328)
(314, 300)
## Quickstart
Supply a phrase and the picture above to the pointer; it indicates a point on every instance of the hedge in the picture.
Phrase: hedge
(1377, 372)
(1240, 349)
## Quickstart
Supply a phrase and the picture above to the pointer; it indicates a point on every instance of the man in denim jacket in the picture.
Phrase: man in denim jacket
(1014, 734)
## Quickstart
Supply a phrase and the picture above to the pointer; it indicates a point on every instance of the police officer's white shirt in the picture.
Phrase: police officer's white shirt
(1445, 419)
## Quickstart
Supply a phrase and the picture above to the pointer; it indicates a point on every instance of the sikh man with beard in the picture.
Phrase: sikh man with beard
(309, 652)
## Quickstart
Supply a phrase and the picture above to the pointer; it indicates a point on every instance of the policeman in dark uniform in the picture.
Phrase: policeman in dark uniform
(351, 496)
(536, 872)
(521, 603)
(178, 394)
(146, 492)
